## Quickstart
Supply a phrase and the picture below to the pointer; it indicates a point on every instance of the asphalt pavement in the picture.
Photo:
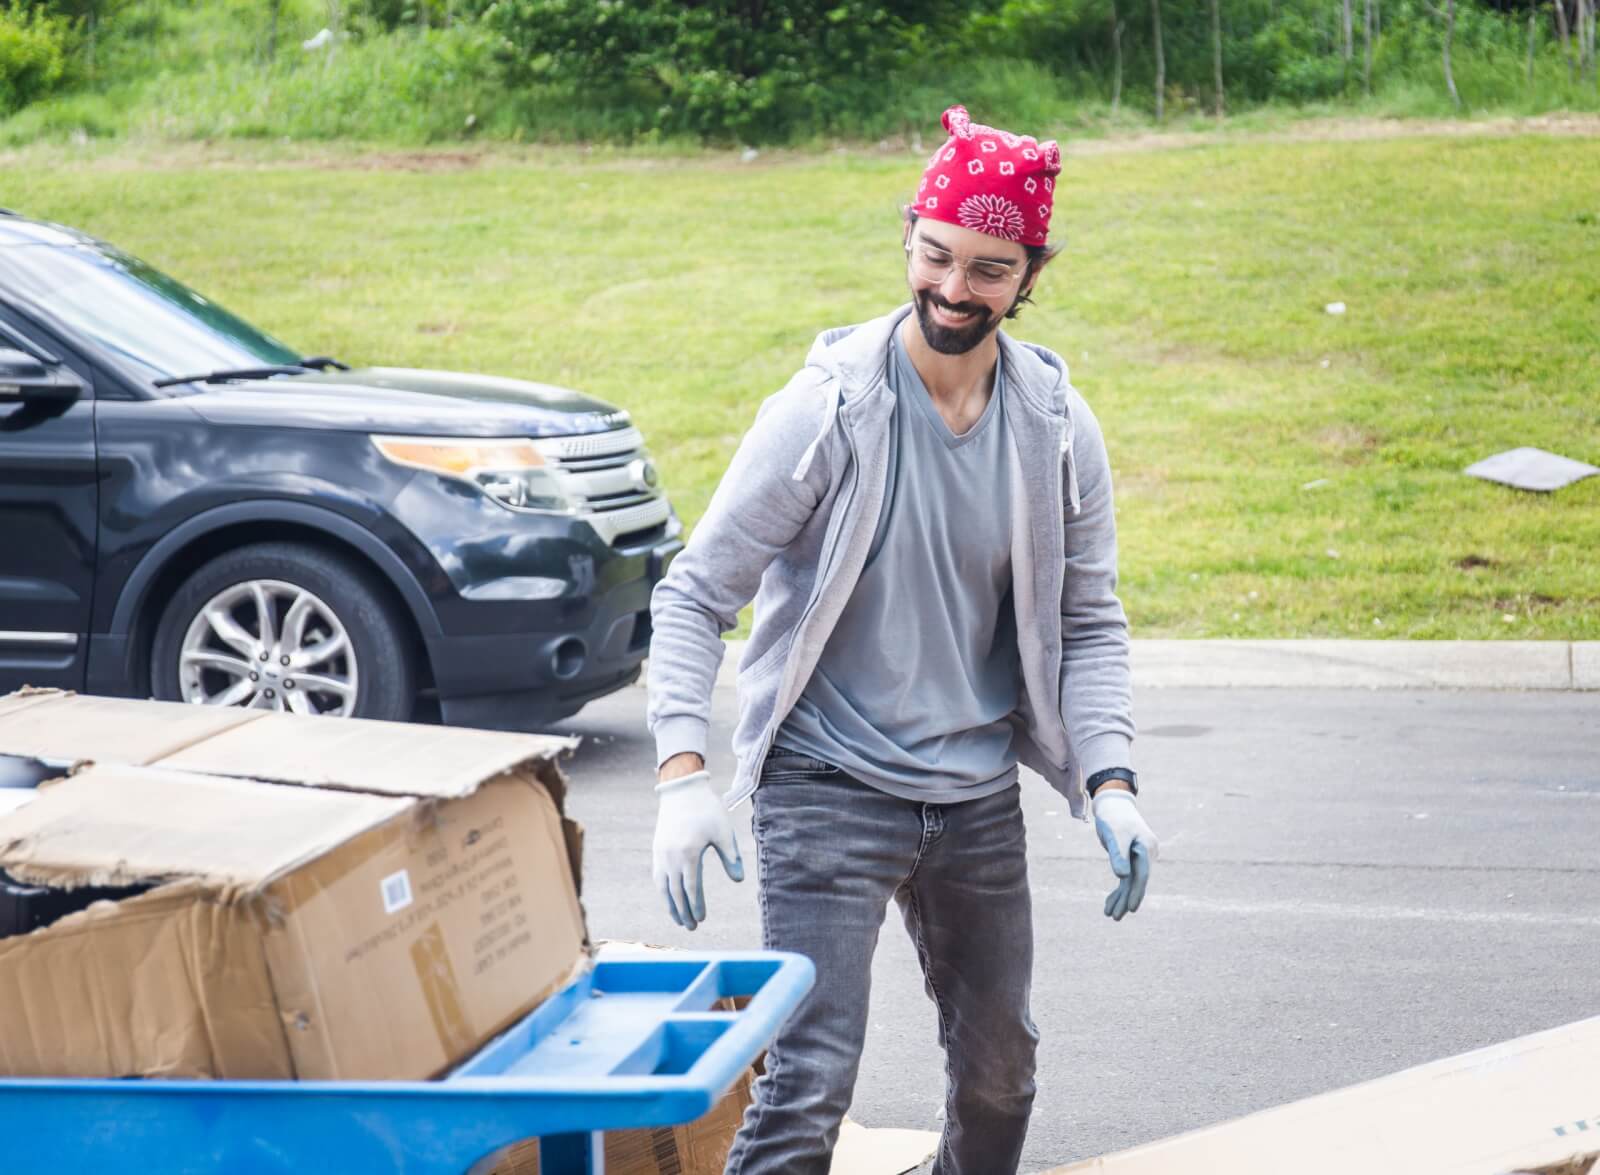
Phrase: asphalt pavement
(1351, 882)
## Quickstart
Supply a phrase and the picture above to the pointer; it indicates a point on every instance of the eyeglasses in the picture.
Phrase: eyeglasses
(933, 264)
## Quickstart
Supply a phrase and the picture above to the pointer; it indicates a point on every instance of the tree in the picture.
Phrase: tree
(1449, 36)
(1116, 49)
(1566, 43)
(1449, 18)
(1366, 48)
(1588, 8)
(273, 8)
(90, 15)
(1216, 54)
(1349, 36)
(1161, 59)
(1533, 28)
(1585, 39)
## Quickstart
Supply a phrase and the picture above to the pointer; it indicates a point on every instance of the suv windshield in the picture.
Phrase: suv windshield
(147, 323)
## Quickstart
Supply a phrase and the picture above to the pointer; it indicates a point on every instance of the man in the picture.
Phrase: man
(926, 512)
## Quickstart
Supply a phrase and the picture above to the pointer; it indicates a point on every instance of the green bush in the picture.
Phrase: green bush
(34, 47)
(719, 69)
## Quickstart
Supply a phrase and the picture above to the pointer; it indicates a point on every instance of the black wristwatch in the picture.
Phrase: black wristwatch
(1127, 774)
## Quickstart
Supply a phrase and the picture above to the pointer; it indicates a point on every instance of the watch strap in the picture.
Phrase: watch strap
(1105, 775)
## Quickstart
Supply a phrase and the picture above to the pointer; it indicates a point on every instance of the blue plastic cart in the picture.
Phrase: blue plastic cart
(633, 1043)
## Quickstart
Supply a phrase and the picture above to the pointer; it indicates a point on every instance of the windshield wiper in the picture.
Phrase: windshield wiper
(310, 363)
(232, 373)
(217, 377)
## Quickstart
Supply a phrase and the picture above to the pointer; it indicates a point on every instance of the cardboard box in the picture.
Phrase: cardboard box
(1528, 1105)
(859, 1151)
(337, 899)
(694, 1148)
(701, 1147)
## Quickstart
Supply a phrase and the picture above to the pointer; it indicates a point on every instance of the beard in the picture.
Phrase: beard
(953, 340)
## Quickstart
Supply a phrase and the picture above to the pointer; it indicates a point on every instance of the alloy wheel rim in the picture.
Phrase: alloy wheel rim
(265, 644)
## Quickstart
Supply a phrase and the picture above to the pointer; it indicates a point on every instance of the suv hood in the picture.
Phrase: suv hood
(407, 401)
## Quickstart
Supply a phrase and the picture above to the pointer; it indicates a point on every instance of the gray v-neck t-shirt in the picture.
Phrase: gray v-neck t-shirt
(912, 690)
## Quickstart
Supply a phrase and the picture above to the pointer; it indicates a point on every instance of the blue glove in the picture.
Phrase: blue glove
(1129, 843)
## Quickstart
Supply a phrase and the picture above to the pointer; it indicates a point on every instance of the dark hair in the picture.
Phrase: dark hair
(1037, 255)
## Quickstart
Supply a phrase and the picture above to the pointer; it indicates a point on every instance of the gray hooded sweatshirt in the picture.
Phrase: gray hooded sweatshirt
(790, 526)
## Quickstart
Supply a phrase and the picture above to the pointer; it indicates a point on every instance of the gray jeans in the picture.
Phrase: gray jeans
(831, 853)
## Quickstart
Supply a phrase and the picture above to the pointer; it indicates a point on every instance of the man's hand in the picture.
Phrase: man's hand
(1129, 843)
(691, 820)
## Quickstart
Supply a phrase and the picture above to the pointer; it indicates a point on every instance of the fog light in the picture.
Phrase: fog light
(567, 660)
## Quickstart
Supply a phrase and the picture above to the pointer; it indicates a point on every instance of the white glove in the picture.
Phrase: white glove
(691, 820)
(1129, 843)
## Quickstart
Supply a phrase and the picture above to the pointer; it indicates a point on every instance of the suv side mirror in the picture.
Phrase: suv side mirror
(26, 380)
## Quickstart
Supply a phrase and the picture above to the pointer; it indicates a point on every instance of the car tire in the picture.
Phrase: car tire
(331, 622)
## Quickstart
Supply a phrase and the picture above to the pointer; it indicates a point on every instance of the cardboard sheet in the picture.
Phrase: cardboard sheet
(1515, 1106)
(1531, 469)
(881, 1151)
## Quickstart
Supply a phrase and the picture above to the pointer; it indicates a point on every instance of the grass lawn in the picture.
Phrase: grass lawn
(1281, 471)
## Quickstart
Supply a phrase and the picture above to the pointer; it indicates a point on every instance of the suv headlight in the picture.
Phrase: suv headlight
(508, 469)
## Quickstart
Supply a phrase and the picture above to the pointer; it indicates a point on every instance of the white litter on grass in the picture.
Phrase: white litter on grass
(749, 155)
(1334, 307)
(319, 41)
(1315, 485)
(1531, 469)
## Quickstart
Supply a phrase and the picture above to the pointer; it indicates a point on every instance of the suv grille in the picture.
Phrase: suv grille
(602, 473)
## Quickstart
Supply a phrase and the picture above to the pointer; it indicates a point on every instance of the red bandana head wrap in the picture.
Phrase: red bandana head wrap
(990, 180)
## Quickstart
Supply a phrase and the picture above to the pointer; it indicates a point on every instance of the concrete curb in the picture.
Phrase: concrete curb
(1332, 664)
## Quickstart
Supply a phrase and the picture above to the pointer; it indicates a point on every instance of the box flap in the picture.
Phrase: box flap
(202, 1003)
(27, 696)
(392, 758)
(95, 828)
(54, 724)
(881, 1151)
(1510, 1107)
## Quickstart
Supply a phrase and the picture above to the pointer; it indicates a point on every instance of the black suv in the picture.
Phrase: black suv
(192, 510)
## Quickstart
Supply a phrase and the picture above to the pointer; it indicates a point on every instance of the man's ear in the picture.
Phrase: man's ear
(1035, 269)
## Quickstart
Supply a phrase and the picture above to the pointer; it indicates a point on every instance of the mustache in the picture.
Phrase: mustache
(937, 299)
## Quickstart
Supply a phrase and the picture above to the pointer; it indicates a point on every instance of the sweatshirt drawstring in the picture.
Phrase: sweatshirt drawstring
(830, 412)
(1068, 435)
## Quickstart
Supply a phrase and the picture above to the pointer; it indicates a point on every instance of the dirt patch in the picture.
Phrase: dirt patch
(403, 161)
(1348, 442)
(1532, 602)
(342, 157)
(1351, 130)
(1473, 562)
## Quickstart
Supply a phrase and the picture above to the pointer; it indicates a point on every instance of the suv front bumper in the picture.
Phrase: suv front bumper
(541, 660)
